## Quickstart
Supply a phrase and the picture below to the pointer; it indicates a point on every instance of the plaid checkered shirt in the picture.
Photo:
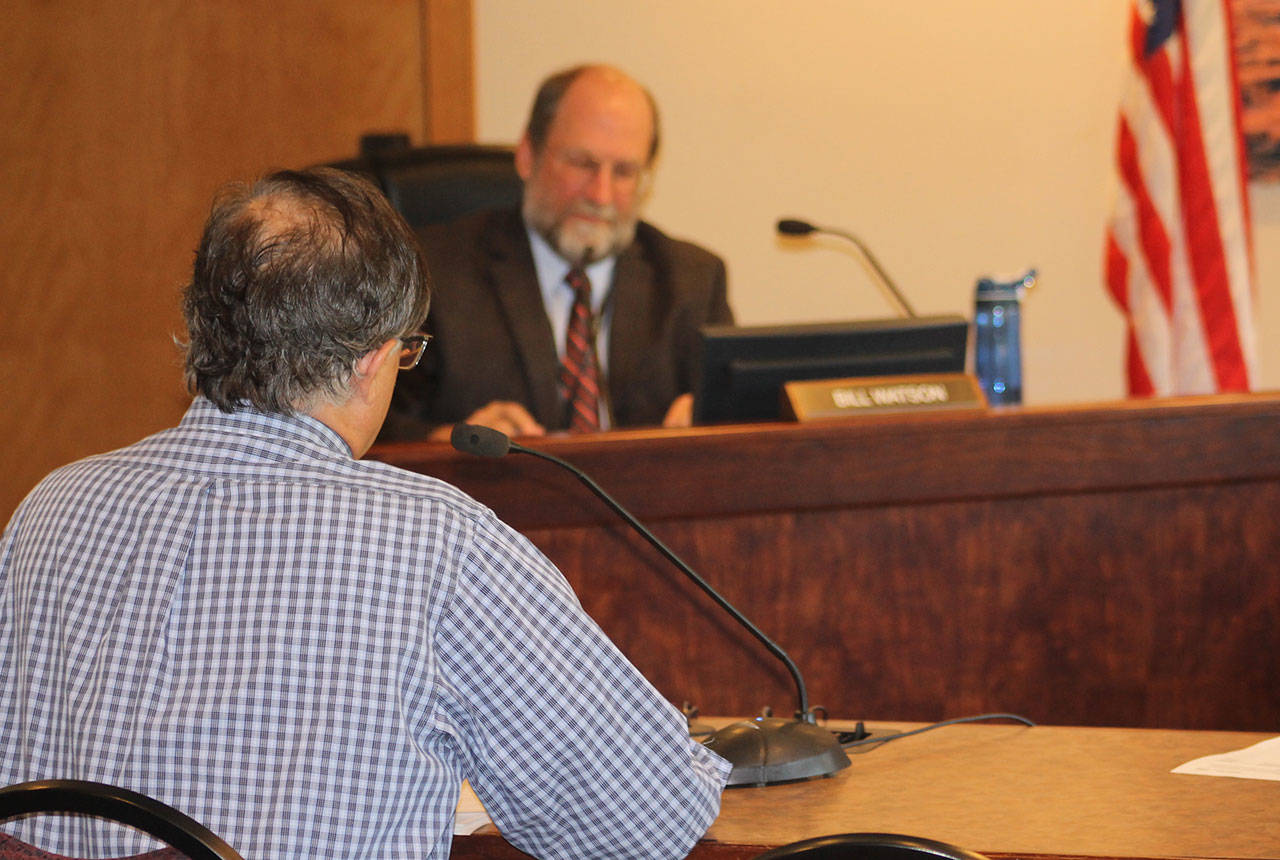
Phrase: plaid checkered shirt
(307, 653)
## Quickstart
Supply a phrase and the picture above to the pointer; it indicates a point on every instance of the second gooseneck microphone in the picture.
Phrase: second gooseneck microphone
(487, 442)
(797, 227)
(764, 750)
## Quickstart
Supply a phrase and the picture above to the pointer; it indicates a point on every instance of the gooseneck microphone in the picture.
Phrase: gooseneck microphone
(764, 750)
(796, 227)
(487, 442)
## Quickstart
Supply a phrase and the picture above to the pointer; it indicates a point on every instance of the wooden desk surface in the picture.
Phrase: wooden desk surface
(1011, 791)
(1047, 790)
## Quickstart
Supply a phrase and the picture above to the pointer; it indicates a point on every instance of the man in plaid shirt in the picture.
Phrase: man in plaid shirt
(305, 651)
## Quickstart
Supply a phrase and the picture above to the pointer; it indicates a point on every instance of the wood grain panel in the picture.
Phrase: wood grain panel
(1106, 565)
(450, 71)
(1067, 609)
(121, 119)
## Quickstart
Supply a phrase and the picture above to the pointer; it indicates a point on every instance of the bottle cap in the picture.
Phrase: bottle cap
(1005, 287)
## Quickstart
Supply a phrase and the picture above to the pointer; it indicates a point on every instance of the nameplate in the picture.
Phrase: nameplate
(868, 395)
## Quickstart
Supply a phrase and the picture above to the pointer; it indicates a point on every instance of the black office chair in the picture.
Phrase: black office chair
(187, 836)
(428, 184)
(869, 846)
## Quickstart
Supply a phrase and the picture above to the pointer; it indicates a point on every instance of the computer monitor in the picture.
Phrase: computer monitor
(744, 367)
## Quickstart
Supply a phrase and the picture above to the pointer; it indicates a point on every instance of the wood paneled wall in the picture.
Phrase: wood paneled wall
(120, 121)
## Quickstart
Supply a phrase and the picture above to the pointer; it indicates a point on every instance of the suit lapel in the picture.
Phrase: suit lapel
(633, 315)
(513, 278)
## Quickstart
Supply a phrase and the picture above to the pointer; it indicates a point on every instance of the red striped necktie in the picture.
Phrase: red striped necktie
(579, 377)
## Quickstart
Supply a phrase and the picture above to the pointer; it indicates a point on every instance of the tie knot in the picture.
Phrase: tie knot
(579, 282)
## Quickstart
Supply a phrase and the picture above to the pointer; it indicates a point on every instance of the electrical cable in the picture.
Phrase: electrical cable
(869, 740)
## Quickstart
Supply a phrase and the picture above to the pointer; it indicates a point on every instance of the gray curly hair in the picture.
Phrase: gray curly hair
(296, 277)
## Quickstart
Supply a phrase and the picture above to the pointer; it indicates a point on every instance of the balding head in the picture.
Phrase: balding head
(585, 159)
(296, 278)
(598, 81)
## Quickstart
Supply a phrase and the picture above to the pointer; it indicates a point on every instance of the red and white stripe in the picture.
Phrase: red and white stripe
(1178, 256)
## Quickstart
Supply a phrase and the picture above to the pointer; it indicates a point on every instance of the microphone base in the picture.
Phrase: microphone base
(771, 750)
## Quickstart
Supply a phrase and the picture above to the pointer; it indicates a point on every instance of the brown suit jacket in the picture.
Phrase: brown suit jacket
(493, 340)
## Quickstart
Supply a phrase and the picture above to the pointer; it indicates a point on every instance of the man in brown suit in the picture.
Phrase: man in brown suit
(500, 309)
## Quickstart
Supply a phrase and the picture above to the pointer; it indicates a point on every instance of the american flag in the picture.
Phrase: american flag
(1179, 260)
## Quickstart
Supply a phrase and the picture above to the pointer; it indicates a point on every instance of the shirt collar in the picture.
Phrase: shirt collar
(552, 268)
(297, 430)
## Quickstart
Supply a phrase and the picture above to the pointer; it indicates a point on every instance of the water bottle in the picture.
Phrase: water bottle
(997, 328)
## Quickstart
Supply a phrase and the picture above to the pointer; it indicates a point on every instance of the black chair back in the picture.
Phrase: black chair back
(429, 184)
(116, 804)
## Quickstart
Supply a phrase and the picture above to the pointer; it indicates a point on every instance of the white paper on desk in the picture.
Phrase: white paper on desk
(470, 815)
(1260, 761)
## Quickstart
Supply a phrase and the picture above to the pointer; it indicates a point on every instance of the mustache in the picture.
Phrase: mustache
(608, 212)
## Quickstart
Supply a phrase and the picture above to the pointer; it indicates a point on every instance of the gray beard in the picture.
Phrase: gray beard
(581, 245)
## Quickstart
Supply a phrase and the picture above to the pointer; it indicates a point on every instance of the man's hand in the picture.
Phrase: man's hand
(680, 412)
(504, 416)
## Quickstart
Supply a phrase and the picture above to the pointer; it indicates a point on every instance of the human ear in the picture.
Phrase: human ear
(372, 363)
(524, 158)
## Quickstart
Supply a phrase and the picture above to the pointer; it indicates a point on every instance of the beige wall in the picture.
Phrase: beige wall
(120, 119)
(957, 139)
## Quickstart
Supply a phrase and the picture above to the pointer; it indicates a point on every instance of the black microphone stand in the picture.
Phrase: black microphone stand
(797, 227)
(764, 750)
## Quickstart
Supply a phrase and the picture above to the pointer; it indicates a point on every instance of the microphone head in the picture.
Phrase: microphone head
(795, 227)
(480, 440)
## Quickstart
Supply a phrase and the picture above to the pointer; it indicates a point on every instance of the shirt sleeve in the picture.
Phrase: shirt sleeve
(571, 750)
